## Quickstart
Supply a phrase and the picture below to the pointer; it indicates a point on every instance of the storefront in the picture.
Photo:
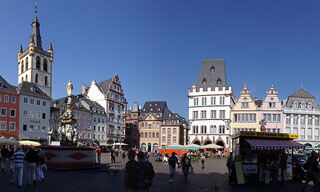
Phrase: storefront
(260, 157)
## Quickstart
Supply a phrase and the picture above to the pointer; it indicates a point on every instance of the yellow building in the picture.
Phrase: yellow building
(245, 113)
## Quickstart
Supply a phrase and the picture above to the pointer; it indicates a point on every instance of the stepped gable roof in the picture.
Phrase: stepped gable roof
(104, 85)
(212, 73)
(6, 87)
(302, 93)
(258, 102)
(31, 89)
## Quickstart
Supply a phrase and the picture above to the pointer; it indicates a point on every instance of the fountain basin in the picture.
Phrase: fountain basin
(69, 156)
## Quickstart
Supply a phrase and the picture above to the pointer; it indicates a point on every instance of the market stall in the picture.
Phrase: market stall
(260, 157)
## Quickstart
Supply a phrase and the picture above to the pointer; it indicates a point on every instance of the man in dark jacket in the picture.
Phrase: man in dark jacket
(312, 167)
(4, 157)
(131, 173)
(32, 159)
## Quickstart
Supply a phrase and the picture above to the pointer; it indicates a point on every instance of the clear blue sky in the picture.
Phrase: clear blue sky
(157, 47)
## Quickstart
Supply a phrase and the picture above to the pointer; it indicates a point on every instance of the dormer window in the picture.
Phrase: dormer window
(212, 69)
(219, 81)
(151, 109)
(1, 84)
(204, 81)
(156, 104)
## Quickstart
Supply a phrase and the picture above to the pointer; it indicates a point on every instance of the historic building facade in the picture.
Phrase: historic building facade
(110, 96)
(271, 112)
(301, 116)
(34, 112)
(132, 126)
(210, 103)
(9, 110)
(245, 114)
(34, 63)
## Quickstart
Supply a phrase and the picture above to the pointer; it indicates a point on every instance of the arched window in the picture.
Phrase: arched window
(45, 65)
(22, 79)
(38, 63)
(27, 63)
(145, 134)
(220, 129)
(37, 78)
(193, 129)
(153, 125)
(197, 129)
(204, 81)
(153, 134)
(22, 66)
(158, 125)
(223, 128)
(211, 129)
(219, 81)
(212, 69)
(46, 81)
(142, 125)
(214, 129)
(157, 135)
(205, 129)
(141, 134)
(201, 129)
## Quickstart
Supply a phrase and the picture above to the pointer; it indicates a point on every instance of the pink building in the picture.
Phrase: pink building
(271, 112)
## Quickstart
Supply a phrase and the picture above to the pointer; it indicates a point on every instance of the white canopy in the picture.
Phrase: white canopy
(10, 141)
(121, 144)
(212, 146)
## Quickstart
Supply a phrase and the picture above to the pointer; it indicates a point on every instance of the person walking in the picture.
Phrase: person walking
(11, 161)
(99, 150)
(186, 164)
(173, 160)
(32, 159)
(145, 173)
(4, 157)
(203, 159)
(283, 166)
(131, 173)
(18, 158)
(312, 167)
(41, 165)
(123, 156)
(112, 157)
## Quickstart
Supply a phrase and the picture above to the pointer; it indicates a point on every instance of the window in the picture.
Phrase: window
(157, 134)
(31, 128)
(272, 104)
(212, 69)
(303, 120)
(98, 128)
(316, 134)
(316, 121)
(83, 125)
(24, 127)
(38, 63)
(38, 102)
(25, 113)
(302, 133)
(158, 125)
(142, 125)
(25, 100)
(32, 101)
(195, 101)
(163, 139)
(13, 99)
(213, 114)
(174, 140)
(153, 125)
(44, 115)
(44, 103)
(145, 134)
(89, 135)
(169, 130)
(222, 114)
(288, 130)
(38, 115)
(37, 78)
(43, 129)
(295, 119)
(89, 116)
(219, 81)
(38, 128)
(195, 114)
(27, 63)
(12, 113)
(6, 98)
(22, 67)
(309, 121)
(141, 134)
(203, 114)
(153, 135)
(174, 131)
(3, 125)
(213, 100)
(274, 117)
(309, 133)
(278, 117)
(204, 100)
(3, 111)
(149, 134)
(45, 65)
(169, 139)
(221, 100)
(245, 105)
(204, 81)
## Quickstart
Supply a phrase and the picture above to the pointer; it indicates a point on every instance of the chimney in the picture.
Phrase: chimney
(84, 89)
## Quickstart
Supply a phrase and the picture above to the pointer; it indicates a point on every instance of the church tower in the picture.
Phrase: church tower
(34, 63)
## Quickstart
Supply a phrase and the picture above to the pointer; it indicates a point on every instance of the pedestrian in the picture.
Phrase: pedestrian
(219, 154)
(267, 173)
(41, 165)
(203, 158)
(275, 169)
(18, 158)
(312, 167)
(4, 157)
(112, 157)
(123, 156)
(99, 155)
(165, 158)
(32, 159)
(186, 164)
(283, 166)
(173, 160)
(145, 173)
(11, 160)
(131, 173)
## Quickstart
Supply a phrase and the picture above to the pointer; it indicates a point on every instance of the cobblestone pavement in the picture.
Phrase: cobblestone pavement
(213, 178)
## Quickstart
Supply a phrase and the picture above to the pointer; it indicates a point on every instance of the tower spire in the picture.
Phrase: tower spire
(35, 30)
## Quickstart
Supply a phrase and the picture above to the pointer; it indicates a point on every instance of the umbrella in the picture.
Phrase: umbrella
(28, 142)
(192, 147)
(10, 141)
(211, 146)
(119, 144)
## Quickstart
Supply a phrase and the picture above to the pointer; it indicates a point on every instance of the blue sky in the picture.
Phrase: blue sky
(157, 47)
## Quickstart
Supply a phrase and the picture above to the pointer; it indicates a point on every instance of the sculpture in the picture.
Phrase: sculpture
(68, 135)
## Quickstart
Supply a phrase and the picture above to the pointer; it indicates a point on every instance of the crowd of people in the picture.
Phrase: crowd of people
(33, 159)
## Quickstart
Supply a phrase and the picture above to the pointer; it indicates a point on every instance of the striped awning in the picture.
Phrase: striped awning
(273, 144)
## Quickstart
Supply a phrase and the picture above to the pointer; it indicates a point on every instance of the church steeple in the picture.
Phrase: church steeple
(35, 31)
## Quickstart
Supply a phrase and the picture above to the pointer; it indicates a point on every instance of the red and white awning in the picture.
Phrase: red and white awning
(273, 144)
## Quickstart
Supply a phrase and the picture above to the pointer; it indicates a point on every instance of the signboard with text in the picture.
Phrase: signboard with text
(266, 134)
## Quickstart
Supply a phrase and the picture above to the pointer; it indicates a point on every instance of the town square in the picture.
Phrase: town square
(159, 95)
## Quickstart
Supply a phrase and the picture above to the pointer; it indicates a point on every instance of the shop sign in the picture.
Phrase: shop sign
(267, 134)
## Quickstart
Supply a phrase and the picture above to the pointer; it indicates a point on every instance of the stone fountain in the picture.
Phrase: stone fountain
(68, 154)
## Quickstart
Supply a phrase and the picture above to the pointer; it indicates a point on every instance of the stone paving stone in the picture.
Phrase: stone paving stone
(213, 178)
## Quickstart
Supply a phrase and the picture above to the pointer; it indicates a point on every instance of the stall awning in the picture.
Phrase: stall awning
(270, 144)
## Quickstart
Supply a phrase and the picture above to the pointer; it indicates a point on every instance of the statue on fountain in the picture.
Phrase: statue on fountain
(68, 135)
